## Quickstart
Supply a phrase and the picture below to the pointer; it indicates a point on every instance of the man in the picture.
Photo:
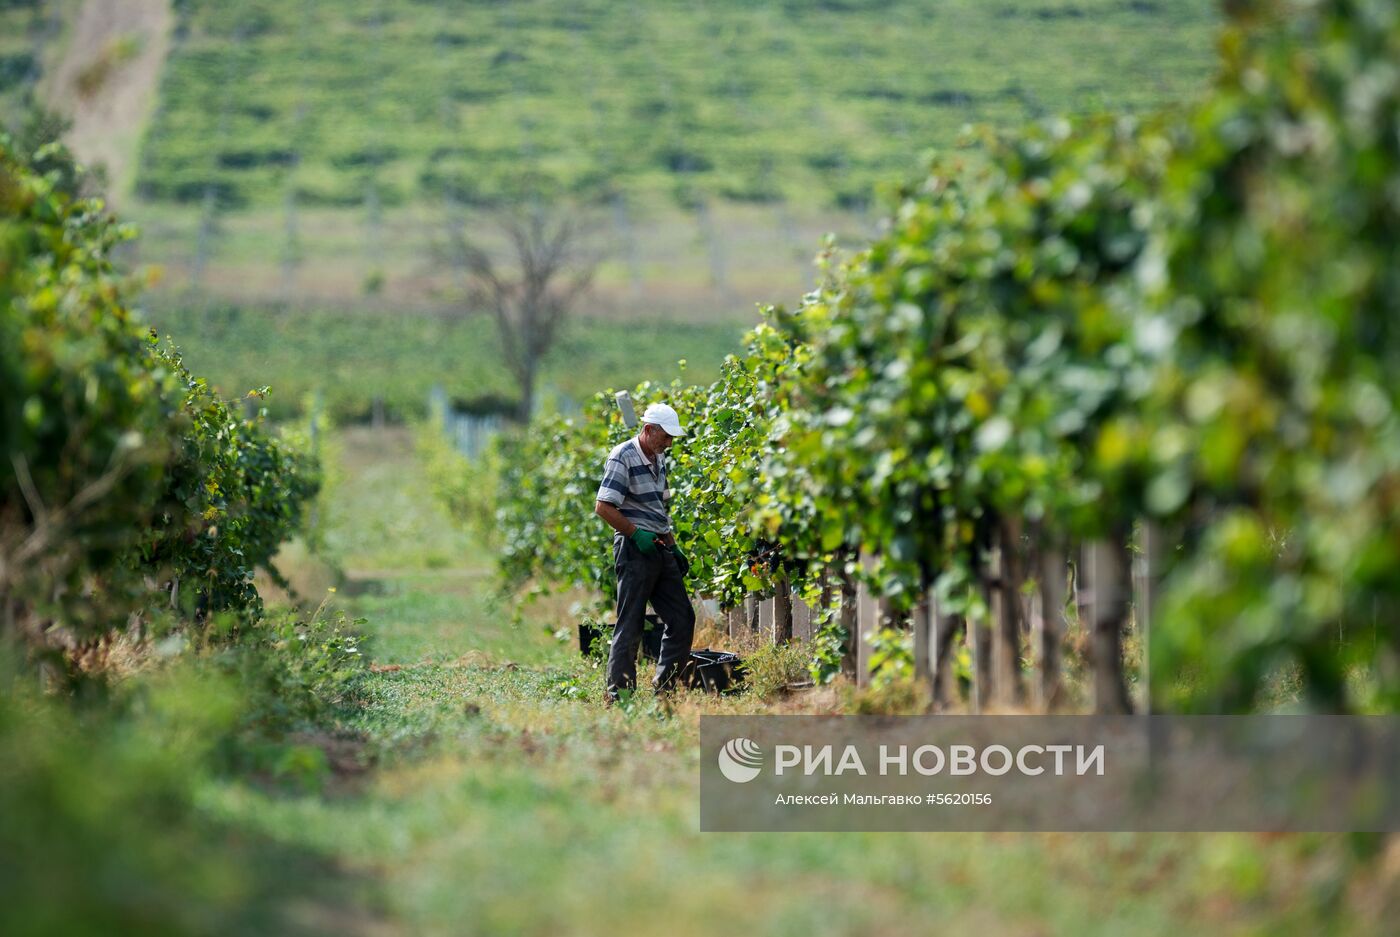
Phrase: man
(634, 500)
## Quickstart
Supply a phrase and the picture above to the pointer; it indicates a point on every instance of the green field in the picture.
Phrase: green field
(352, 357)
(315, 153)
(302, 150)
(809, 102)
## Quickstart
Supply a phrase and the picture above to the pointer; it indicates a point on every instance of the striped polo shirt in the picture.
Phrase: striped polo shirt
(637, 487)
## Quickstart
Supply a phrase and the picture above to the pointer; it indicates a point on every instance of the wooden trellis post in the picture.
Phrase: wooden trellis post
(1147, 570)
(782, 612)
(827, 584)
(945, 628)
(1034, 610)
(848, 621)
(1015, 626)
(801, 620)
(1103, 598)
(867, 621)
(922, 617)
(734, 620)
(1047, 626)
(979, 642)
(1005, 604)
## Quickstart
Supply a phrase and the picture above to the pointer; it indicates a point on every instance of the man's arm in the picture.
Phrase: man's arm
(609, 512)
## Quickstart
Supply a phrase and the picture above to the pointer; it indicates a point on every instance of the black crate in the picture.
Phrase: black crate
(714, 671)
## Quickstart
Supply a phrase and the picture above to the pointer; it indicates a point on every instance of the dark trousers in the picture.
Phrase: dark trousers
(642, 579)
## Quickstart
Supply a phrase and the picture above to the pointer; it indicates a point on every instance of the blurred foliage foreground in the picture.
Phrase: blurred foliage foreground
(135, 507)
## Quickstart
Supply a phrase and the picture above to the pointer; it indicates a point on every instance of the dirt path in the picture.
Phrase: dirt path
(107, 80)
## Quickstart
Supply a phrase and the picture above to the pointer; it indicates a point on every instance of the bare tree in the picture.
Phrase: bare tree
(550, 266)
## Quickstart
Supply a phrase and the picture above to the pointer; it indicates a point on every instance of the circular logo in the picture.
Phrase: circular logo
(740, 760)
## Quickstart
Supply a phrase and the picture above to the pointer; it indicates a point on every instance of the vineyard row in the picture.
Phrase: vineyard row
(1184, 324)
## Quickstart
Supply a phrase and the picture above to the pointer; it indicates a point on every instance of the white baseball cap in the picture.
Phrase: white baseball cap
(664, 417)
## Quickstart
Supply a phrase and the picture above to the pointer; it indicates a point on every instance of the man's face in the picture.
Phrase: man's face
(656, 439)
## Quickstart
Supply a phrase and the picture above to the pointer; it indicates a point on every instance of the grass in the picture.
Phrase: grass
(505, 798)
(349, 358)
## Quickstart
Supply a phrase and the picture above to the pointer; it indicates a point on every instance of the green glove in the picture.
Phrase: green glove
(682, 561)
(645, 541)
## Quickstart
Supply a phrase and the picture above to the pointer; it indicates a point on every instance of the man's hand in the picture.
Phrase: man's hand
(645, 540)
